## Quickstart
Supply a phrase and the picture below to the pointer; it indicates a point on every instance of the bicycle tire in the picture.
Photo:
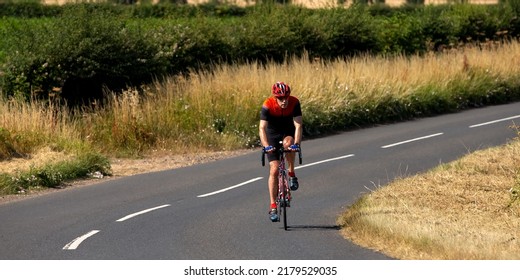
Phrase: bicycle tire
(284, 214)
(285, 201)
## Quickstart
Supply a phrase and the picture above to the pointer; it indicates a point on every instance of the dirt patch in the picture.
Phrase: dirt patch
(126, 167)
(120, 167)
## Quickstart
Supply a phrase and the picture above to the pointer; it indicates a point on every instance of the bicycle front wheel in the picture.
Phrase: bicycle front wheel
(284, 214)
(285, 196)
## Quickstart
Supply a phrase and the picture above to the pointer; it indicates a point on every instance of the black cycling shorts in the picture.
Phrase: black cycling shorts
(274, 140)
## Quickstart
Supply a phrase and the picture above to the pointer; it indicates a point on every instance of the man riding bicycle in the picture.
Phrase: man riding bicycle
(280, 121)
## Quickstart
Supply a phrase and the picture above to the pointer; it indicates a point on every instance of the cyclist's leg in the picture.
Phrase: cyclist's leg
(274, 162)
(273, 190)
(273, 180)
(293, 181)
(287, 142)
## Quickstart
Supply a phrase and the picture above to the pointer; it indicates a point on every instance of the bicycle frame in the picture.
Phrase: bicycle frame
(284, 192)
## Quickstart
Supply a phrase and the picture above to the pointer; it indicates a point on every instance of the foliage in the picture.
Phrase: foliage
(27, 9)
(79, 49)
(94, 48)
(53, 175)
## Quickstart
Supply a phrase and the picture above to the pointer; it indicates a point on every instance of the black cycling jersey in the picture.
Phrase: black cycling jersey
(280, 121)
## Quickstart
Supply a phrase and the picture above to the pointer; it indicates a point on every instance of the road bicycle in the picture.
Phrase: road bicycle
(284, 198)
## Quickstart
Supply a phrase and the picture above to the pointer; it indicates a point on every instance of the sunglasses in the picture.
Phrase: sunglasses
(282, 98)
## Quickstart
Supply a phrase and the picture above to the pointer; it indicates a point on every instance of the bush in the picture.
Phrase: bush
(266, 34)
(79, 53)
(340, 33)
(481, 23)
(402, 34)
(28, 9)
(439, 28)
(88, 47)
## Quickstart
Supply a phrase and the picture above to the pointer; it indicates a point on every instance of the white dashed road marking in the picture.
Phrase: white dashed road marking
(495, 121)
(412, 140)
(75, 243)
(141, 212)
(323, 161)
(230, 188)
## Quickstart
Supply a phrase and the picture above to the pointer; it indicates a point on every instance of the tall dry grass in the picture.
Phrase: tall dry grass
(33, 125)
(219, 109)
(371, 77)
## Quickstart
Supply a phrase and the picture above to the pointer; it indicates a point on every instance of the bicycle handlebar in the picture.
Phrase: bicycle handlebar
(283, 151)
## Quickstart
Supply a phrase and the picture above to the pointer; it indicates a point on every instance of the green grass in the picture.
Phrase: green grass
(54, 174)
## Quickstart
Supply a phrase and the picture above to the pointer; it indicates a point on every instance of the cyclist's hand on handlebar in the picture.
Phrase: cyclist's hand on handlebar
(294, 147)
(268, 149)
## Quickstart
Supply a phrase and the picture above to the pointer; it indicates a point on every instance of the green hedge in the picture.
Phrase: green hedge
(77, 49)
(28, 10)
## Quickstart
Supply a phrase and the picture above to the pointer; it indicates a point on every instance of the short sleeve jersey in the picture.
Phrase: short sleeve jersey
(280, 120)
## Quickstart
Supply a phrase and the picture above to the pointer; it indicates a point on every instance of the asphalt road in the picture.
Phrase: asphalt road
(218, 210)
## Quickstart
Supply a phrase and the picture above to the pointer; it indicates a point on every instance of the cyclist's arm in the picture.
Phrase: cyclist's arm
(298, 121)
(263, 133)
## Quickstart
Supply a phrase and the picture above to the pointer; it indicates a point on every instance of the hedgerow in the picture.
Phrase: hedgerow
(76, 50)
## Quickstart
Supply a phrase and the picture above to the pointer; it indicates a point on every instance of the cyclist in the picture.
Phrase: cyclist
(280, 120)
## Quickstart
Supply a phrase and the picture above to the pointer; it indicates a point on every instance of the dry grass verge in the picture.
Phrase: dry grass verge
(466, 209)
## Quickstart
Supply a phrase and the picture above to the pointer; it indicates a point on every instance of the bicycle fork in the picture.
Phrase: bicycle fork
(284, 194)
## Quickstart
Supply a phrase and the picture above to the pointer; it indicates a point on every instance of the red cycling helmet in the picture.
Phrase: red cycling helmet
(280, 89)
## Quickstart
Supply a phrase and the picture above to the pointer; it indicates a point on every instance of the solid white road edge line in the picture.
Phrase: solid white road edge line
(232, 187)
(75, 243)
(141, 212)
(495, 121)
(412, 140)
